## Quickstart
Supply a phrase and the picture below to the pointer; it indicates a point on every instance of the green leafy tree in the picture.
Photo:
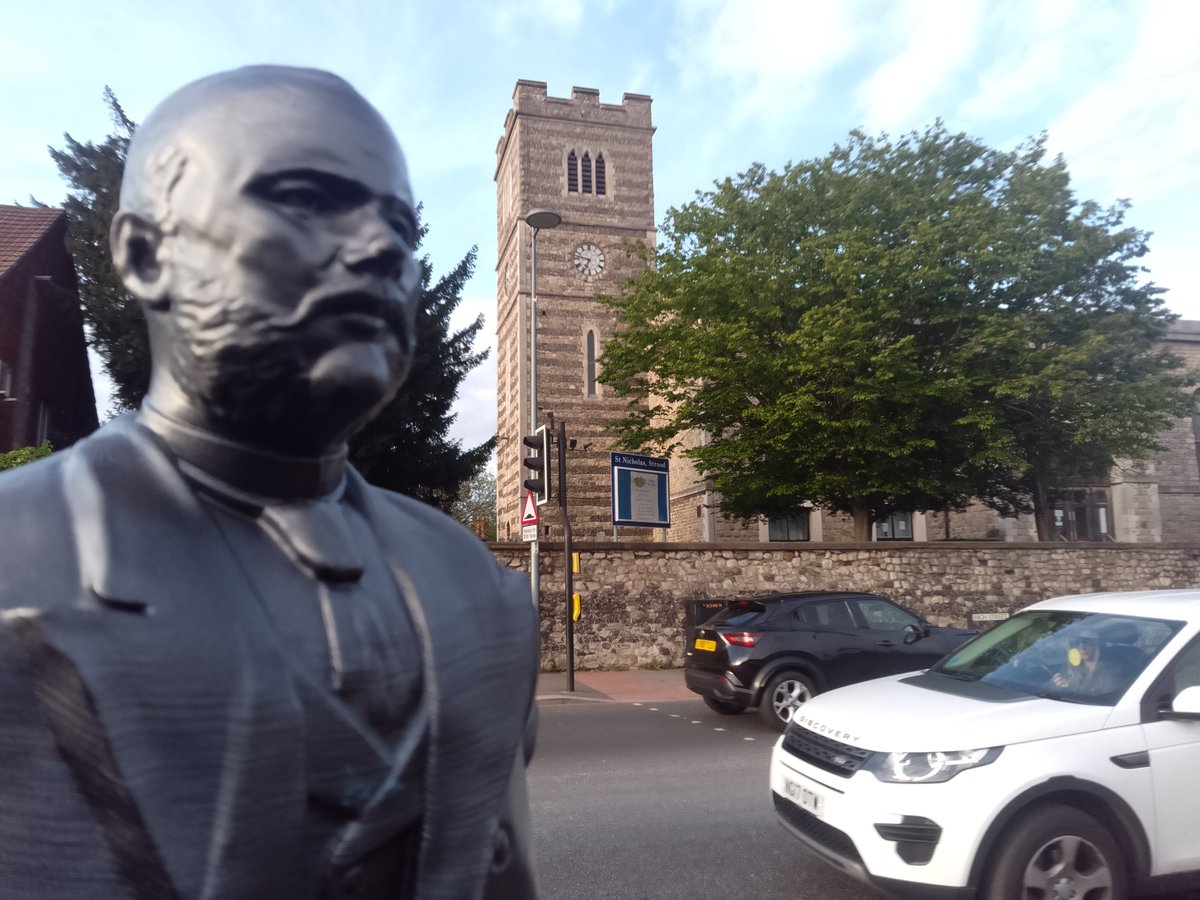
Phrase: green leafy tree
(406, 448)
(476, 504)
(22, 455)
(861, 331)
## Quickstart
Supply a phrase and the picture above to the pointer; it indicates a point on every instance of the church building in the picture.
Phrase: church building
(574, 191)
(590, 164)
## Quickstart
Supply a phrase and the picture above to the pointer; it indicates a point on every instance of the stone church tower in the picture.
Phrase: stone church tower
(591, 163)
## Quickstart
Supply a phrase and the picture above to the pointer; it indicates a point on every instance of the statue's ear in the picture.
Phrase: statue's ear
(137, 254)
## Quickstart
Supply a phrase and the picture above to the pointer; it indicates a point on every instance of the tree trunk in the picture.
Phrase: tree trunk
(861, 510)
(1043, 510)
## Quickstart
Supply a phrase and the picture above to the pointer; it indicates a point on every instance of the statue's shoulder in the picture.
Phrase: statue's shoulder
(32, 485)
(429, 536)
(430, 521)
(43, 481)
(37, 540)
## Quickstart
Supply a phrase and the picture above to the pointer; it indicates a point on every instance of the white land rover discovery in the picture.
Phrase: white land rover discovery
(1055, 756)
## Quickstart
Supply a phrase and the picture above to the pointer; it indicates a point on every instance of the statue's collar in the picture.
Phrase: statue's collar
(259, 473)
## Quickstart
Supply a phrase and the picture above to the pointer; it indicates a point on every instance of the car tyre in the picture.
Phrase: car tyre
(1057, 851)
(724, 707)
(785, 694)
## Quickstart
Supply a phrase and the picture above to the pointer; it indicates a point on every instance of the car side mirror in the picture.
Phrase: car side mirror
(913, 633)
(1185, 707)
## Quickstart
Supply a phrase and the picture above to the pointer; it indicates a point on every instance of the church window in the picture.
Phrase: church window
(590, 374)
(587, 172)
(896, 527)
(572, 173)
(599, 174)
(790, 527)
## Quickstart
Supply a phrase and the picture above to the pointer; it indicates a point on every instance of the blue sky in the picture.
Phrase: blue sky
(1116, 85)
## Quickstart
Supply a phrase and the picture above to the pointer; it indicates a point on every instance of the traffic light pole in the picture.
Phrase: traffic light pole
(536, 220)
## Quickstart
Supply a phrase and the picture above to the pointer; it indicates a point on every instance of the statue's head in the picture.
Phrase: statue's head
(268, 228)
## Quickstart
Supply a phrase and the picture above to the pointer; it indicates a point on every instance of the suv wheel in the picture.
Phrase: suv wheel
(1057, 851)
(785, 694)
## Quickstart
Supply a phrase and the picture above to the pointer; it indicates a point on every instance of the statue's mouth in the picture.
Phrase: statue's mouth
(363, 314)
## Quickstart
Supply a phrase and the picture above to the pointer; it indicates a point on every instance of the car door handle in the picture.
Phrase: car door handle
(886, 644)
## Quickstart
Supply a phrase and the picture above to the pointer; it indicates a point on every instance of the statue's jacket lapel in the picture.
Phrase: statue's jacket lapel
(183, 673)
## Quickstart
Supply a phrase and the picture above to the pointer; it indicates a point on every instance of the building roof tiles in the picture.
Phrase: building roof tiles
(21, 227)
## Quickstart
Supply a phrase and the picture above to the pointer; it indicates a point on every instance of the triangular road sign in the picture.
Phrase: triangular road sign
(529, 516)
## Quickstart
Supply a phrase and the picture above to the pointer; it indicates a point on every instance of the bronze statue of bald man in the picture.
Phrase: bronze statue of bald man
(229, 667)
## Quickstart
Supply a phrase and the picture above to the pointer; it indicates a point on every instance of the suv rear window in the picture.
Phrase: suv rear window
(740, 612)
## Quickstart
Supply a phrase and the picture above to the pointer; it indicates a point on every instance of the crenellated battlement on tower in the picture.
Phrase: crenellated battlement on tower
(530, 98)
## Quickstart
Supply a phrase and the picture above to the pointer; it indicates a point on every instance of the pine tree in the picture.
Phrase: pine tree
(407, 448)
(114, 322)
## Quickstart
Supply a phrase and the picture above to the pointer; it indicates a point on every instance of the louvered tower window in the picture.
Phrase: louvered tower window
(600, 174)
(587, 173)
(572, 173)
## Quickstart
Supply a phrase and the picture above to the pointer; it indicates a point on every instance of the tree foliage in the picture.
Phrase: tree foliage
(406, 448)
(476, 504)
(22, 455)
(900, 325)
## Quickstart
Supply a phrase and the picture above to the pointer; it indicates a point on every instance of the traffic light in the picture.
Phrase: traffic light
(538, 464)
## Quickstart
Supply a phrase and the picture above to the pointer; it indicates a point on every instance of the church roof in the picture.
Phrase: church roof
(21, 227)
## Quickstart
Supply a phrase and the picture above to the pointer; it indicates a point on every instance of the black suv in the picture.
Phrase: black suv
(778, 650)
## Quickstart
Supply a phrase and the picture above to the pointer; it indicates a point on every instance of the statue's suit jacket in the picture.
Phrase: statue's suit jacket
(152, 729)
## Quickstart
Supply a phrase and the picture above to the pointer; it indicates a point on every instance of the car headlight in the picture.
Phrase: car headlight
(928, 768)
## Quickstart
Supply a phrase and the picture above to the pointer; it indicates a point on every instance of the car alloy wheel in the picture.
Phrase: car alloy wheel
(785, 694)
(1058, 852)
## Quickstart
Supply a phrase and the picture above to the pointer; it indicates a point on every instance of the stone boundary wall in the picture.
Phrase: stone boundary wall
(635, 597)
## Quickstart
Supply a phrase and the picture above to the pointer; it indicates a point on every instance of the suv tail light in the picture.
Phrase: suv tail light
(742, 638)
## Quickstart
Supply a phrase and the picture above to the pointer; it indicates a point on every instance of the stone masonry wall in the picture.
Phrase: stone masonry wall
(634, 597)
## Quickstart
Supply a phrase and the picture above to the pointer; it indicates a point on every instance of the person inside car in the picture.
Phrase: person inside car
(1086, 672)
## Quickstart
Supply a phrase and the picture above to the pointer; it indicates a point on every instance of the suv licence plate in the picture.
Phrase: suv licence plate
(805, 798)
(702, 644)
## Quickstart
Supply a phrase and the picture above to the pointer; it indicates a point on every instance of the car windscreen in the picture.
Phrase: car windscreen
(1077, 657)
(740, 612)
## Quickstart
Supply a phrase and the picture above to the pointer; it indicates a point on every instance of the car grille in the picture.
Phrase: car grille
(823, 752)
(824, 835)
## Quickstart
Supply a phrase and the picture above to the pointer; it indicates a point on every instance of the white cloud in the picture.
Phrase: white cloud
(1039, 55)
(1136, 132)
(775, 52)
(513, 22)
(939, 39)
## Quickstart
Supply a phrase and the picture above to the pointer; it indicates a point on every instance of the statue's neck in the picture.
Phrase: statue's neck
(252, 470)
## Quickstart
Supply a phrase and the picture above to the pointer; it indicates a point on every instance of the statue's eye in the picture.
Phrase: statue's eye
(303, 196)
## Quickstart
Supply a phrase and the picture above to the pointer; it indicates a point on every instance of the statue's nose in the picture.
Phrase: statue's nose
(376, 247)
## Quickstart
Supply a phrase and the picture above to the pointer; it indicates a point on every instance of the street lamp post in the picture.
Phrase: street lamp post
(538, 219)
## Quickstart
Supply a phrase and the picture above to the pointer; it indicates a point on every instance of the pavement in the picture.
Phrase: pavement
(626, 686)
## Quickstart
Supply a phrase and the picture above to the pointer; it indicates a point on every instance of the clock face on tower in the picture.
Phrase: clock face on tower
(589, 260)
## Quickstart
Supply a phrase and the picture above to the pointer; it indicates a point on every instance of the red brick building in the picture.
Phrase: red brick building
(45, 385)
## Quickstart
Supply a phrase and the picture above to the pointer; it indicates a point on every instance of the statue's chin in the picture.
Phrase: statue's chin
(350, 383)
